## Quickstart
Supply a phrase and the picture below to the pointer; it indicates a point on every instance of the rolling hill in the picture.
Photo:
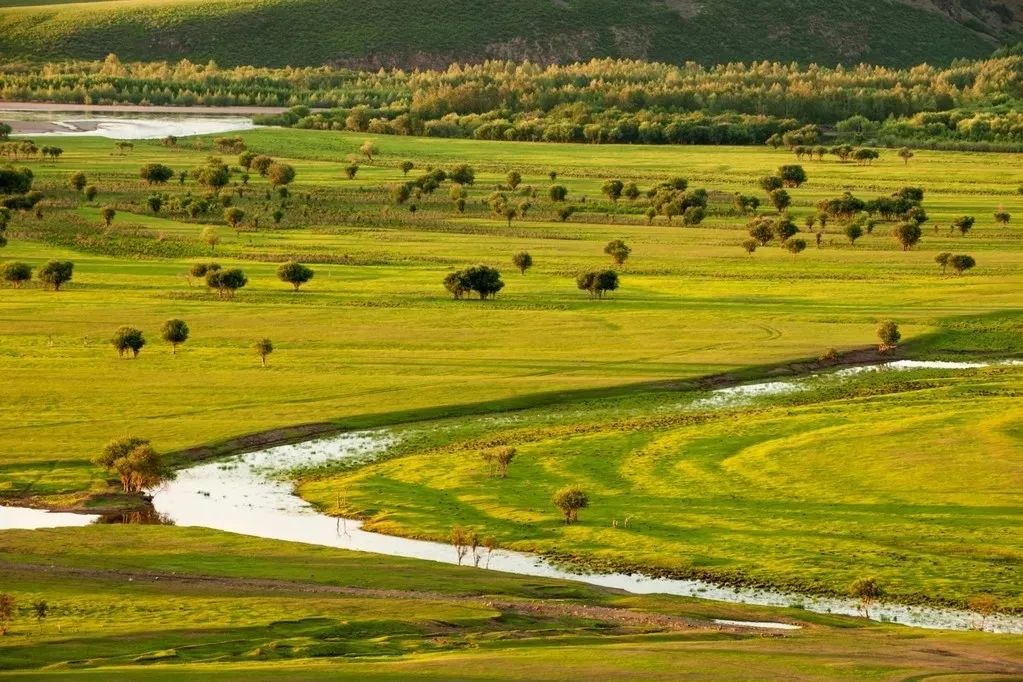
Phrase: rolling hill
(399, 33)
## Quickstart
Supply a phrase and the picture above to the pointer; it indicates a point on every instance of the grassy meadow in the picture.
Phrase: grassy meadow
(176, 603)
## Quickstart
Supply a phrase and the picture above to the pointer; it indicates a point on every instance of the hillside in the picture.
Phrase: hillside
(399, 33)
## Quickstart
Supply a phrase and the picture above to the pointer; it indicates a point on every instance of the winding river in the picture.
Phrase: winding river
(251, 494)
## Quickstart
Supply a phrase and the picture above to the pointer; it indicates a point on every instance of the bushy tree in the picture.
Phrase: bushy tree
(961, 263)
(280, 174)
(261, 164)
(523, 261)
(597, 282)
(889, 335)
(750, 245)
(498, 460)
(514, 179)
(964, 224)
(55, 274)
(263, 349)
(406, 166)
(137, 465)
(210, 238)
(128, 339)
(618, 250)
(867, 590)
(569, 500)
(351, 170)
(156, 173)
(853, 232)
(770, 183)
(108, 213)
(908, 235)
(1002, 217)
(233, 216)
(369, 149)
(613, 189)
(780, 199)
(942, 259)
(795, 246)
(784, 228)
(175, 332)
(906, 154)
(463, 174)
(294, 274)
(78, 181)
(90, 192)
(482, 279)
(16, 273)
(792, 175)
(155, 203)
(226, 282)
(557, 192)
(214, 174)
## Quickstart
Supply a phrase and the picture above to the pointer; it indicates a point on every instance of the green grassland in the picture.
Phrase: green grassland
(391, 32)
(913, 478)
(374, 339)
(177, 603)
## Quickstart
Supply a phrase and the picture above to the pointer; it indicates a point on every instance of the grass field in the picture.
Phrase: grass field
(169, 603)
(692, 302)
(391, 32)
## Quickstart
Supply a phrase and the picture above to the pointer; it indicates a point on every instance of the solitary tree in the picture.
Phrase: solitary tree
(906, 154)
(1002, 218)
(498, 460)
(964, 224)
(867, 590)
(263, 348)
(780, 199)
(368, 149)
(557, 192)
(54, 274)
(889, 335)
(108, 214)
(961, 263)
(234, 216)
(514, 178)
(16, 273)
(210, 238)
(523, 261)
(631, 191)
(570, 500)
(618, 250)
(128, 339)
(41, 609)
(155, 202)
(792, 175)
(406, 166)
(613, 189)
(750, 245)
(280, 174)
(597, 282)
(174, 332)
(351, 170)
(90, 192)
(294, 274)
(136, 463)
(942, 259)
(795, 246)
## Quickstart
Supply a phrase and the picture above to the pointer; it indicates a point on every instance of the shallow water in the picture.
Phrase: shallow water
(251, 494)
(136, 128)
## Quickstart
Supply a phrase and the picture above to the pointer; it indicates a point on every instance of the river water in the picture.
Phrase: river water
(251, 494)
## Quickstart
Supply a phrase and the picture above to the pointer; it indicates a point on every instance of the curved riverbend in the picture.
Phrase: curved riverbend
(250, 494)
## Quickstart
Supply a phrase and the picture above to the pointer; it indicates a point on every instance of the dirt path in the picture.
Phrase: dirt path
(525, 607)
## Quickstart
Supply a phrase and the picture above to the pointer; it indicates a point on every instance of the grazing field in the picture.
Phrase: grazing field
(374, 339)
(170, 603)
(391, 32)
(911, 477)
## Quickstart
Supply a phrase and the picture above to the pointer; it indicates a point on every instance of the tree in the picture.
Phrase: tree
(462, 174)
(784, 229)
(136, 463)
(7, 604)
(961, 263)
(762, 229)
(889, 335)
(565, 212)
(780, 199)
(597, 282)
(523, 261)
(853, 232)
(294, 274)
(406, 166)
(795, 246)
(400, 193)
(16, 273)
(964, 224)
(867, 590)
(263, 349)
(942, 259)
(618, 250)
(1002, 218)
(15, 180)
(514, 178)
(983, 605)
(213, 175)
(108, 214)
(750, 245)
(261, 164)
(210, 238)
(351, 170)
(570, 500)
(156, 173)
(631, 191)
(908, 235)
(128, 339)
(613, 189)
(78, 181)
(906, 154)
(498, 460)
(41, 610)
(234, 216)
(693, 216)
(792, 175)
(155, 202)
(226, 282)
(557, 192)
(90, 192)
(483, 279)
(175, 332)
(769, 183)
(280, 174)
(54, 274)
(368, 149)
